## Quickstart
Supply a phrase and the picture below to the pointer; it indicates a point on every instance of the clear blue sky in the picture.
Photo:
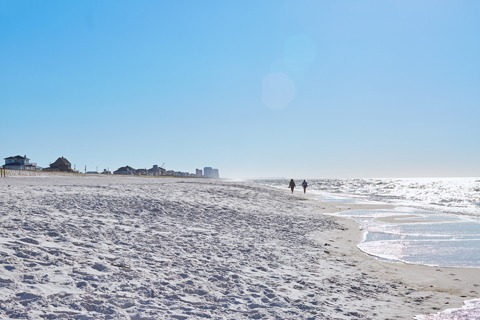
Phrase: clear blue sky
(254, 88)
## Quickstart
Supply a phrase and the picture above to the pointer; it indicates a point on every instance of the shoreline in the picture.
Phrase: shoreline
(445, 287)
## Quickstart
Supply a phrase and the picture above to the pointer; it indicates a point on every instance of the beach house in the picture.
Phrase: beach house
(127, 170)
(61, 164)
(156, 171)
(141, 172)
(19, 163)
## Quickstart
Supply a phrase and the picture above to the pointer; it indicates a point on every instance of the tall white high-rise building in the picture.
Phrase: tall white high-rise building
(209, 172)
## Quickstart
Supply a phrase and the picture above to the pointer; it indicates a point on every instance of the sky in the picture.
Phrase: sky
(271, 88)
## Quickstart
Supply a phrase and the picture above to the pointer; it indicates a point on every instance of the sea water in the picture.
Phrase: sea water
(435, 222)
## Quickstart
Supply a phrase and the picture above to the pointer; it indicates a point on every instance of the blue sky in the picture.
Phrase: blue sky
(255, 88)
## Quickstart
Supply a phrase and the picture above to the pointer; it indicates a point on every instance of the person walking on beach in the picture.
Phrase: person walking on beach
(292, 184)
(304, 185)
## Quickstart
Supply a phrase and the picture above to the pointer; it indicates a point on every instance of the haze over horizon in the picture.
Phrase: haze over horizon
(295, 89)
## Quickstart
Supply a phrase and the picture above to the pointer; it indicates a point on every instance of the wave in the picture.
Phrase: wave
(451, 195)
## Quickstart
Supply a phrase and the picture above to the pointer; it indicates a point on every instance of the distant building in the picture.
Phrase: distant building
(105, 171)
(170, 173)
(127, 170)
(156, 171)
(141, 172)
(198, 173)
(19, 163)
(61, 164)
(209, 172)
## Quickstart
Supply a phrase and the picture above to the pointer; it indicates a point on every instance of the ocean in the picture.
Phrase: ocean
(434, 221)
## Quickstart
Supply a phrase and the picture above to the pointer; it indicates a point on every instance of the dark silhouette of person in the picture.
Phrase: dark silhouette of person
(304, 185)
(292, 184)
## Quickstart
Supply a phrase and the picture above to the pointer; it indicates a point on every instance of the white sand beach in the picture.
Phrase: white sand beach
(107, 247)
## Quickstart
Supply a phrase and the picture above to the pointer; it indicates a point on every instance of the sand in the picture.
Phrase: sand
(104, 247)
